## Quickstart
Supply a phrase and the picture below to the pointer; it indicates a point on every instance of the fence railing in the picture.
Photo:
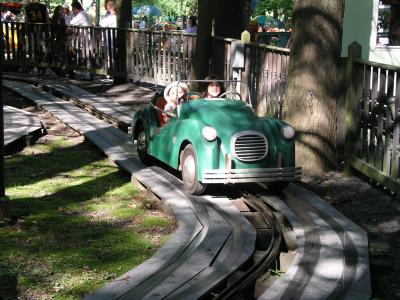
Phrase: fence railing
(265, 70)
(373, 122)
(151, 56)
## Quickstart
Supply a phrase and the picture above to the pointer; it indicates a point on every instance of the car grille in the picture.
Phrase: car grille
(249, 146)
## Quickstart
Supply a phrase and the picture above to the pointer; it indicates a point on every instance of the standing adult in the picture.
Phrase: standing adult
(80, 18)
(58, 16)
(190, 42)
(36, 12)
(108, 36)
(59, 39)
(110, 17)
(191, 25)
(91, 11)
(79, 38)
(67, 14)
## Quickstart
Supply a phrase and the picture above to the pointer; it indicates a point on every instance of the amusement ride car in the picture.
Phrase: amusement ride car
(218, 141)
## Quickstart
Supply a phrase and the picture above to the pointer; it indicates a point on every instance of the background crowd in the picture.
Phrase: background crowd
(76, 14)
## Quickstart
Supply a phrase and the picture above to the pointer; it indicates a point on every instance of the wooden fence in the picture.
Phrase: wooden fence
(373, 121)
(265, 70)
(152, 56)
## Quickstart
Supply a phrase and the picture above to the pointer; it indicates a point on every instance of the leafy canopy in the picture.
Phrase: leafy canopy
(281, 9)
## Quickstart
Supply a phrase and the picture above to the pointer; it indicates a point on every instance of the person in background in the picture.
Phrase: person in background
(36, 12)
(143, 24)
(67, 14)
(9, 17)
(80, 18)
(59, 39)
(91, 11)
(110, 17)
(179, 23)
(214, 88)
(191, 25)
(58, 16)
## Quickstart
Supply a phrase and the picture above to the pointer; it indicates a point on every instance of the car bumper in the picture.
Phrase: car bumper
(251, 175)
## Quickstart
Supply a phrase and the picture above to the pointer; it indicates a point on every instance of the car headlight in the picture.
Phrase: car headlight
(288, 132)
(209, 133)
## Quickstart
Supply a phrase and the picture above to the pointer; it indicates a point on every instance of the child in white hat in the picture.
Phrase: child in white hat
(172, 93)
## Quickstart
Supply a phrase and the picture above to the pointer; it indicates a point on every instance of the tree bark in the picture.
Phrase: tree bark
(314, 82)
(124, 20)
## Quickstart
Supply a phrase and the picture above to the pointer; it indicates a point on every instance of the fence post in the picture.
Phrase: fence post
(351, 105)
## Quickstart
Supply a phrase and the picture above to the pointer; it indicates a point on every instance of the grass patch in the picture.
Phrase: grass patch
(76, 223)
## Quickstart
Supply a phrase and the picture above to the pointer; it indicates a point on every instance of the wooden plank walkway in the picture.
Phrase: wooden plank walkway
(20, 124)
(331, 259)
(103, 106)
(103, 135)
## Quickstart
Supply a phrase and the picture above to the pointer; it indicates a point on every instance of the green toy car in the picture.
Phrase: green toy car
(215, 141)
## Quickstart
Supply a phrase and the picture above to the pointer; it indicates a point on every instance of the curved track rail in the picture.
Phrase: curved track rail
(247, 280)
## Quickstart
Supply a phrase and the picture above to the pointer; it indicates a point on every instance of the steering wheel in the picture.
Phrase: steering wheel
(230, 93)
(194, 96)
(183, 98)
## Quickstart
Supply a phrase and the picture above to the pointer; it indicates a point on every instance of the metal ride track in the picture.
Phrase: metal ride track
(213, 240)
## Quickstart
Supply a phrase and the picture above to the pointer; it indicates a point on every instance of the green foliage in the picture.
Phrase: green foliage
(282, 9)
(171, 7)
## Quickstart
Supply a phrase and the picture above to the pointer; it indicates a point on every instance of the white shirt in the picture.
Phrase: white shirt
(81, 19)
(108, 20)
(67, 19)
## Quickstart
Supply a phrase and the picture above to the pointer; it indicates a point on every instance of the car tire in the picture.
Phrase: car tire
(189, 172)
(277, 187)
(141, 146)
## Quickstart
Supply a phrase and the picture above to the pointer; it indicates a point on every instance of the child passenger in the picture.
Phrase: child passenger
(172, 93)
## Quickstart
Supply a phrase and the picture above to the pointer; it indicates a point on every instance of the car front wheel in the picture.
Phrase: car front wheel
(189, 172)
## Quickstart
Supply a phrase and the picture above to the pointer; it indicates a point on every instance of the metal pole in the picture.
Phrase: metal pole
(2, 188)
(97, 12)
(4, 202)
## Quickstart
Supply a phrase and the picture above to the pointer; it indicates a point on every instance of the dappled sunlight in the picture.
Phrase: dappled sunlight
(83, 250)
(33, 161)
(315, 90)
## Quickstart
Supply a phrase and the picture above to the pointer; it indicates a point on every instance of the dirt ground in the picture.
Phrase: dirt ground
(373, 208)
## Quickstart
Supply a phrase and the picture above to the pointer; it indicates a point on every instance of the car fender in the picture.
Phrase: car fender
(283, 146)
(207, 153)
(146, 117)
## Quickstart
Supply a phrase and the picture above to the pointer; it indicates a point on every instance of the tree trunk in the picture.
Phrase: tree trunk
(220, 18)
(314, 82)
(203, 40)
(231, 18)
(124, 20)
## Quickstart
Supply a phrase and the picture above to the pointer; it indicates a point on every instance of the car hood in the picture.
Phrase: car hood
(231, 116)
